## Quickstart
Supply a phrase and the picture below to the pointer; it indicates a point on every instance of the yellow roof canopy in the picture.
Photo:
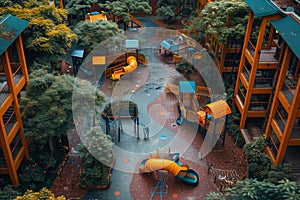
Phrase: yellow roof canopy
(217, 109)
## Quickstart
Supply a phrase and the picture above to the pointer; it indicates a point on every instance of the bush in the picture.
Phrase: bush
(97, 157)
(8, 193)
(124, 105)
(44, 193)
(260, 166)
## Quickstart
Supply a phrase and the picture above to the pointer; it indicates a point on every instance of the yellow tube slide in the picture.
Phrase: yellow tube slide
(132, 65)
(151, 165)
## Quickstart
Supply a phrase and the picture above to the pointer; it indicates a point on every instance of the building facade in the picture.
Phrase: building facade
(267, 87)
(13, 79)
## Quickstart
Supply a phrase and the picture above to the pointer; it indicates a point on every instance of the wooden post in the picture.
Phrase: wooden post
(292, 114)
(242, 61)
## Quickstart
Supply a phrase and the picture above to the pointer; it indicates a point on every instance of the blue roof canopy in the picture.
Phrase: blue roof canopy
(187, 86)
(10, 28)
(289, 30)
(262, 8)
(169, 45)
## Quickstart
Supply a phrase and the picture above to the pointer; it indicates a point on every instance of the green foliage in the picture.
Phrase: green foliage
(47, 115)
(124, 104)
(122, 8)
(279, 172)
(253, 189)
(214, 196)
(46, 38)
(166, 9)
(90, 34)
(185, 68)
(234, 117)
(223, 18)
(8, 193)
(259, 164)
(97, 156)
(44, 193)
(79, 7)
(234, 127)
(166, 13)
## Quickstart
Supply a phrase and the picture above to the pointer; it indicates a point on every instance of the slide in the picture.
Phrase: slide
(136, 21)
(180, 171)
(132, 65)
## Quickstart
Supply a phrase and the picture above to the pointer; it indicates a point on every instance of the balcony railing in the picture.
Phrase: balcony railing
(288, 90)
(241, 96)
(266, 55)
(274, 143)
(246, 73)
(4, 92)
(17, 73)
(9, 120)
(280, 121)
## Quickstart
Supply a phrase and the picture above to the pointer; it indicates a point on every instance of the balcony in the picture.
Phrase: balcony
(9, 119)
(296, 132)
(280, 121)
(266, 56)
(4, 91)
(288, 89)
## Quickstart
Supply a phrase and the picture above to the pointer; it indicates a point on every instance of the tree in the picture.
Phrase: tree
(79, 8)
(166, 9)
(122, 8)
(90, 34)
(166, 13)
(227, 20)
(46, 39)
(98, 157)
(47, 116)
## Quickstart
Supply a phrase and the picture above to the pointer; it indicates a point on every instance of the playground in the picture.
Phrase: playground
(157, 148)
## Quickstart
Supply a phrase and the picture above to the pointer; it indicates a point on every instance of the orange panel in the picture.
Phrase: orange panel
(218, 109)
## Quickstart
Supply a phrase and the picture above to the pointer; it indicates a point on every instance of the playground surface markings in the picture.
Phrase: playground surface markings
(160, 137)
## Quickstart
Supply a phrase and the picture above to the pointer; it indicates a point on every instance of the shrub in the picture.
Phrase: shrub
(97, 156)
(44, 193)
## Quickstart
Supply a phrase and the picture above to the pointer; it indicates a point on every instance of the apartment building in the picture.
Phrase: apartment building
(267, 86)
(13, 79)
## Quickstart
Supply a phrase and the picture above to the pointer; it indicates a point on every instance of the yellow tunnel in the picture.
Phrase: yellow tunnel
(132, 65)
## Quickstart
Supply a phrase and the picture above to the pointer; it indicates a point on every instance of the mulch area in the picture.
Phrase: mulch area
(228, 157)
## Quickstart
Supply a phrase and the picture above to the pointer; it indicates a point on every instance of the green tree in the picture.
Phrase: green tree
(90, 34)
(79, 8)
(122, 8)
(46, 39)
(166, 9)
(97, 156)
(252, 189)
(47, 116)
(225, 19)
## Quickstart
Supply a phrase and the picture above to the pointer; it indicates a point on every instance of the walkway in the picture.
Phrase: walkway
(158, 111)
